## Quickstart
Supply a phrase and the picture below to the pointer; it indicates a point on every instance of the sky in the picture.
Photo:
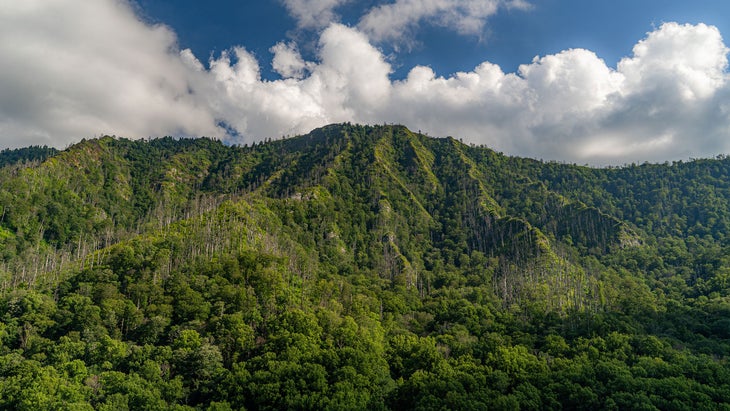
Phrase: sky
(587, 82)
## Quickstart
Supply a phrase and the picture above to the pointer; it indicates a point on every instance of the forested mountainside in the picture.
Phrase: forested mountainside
(359, 267)
(25, 155)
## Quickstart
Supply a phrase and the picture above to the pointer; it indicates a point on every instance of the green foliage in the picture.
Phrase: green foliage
(358, 267)
(9, 157)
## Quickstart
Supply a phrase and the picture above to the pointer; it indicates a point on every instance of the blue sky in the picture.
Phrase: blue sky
(580, 81)
(510, 38)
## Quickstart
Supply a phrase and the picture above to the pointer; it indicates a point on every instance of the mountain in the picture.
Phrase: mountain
(359, 267)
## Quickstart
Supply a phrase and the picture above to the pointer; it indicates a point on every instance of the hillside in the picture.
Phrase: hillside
(359, 267)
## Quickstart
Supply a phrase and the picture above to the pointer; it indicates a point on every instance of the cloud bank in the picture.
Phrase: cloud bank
(74, 69)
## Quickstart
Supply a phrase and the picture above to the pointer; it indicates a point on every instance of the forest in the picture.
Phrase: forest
(359, 267)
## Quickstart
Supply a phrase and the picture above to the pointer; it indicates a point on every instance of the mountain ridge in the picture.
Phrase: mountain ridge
(360, 267)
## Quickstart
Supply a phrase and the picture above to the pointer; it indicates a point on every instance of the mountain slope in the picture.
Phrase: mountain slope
(359, 267)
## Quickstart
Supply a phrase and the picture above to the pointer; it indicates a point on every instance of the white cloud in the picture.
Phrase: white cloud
(569, 83)
(686, 60)
(352, 68)
(287, 61)
(73, 69)
(396, 21)
(568, 105)
(349, 82)
(313, 14)
(519, 4)
(667, 101)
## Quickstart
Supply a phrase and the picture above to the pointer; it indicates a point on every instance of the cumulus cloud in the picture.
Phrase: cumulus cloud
(671, 103)
(689, 61)
(73, 69)
(667, 101)
(313, 14)
(350, 81)
(396, 21)
(287, 61)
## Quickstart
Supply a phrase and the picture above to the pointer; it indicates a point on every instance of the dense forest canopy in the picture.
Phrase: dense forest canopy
(359, 267)
(23, 155)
